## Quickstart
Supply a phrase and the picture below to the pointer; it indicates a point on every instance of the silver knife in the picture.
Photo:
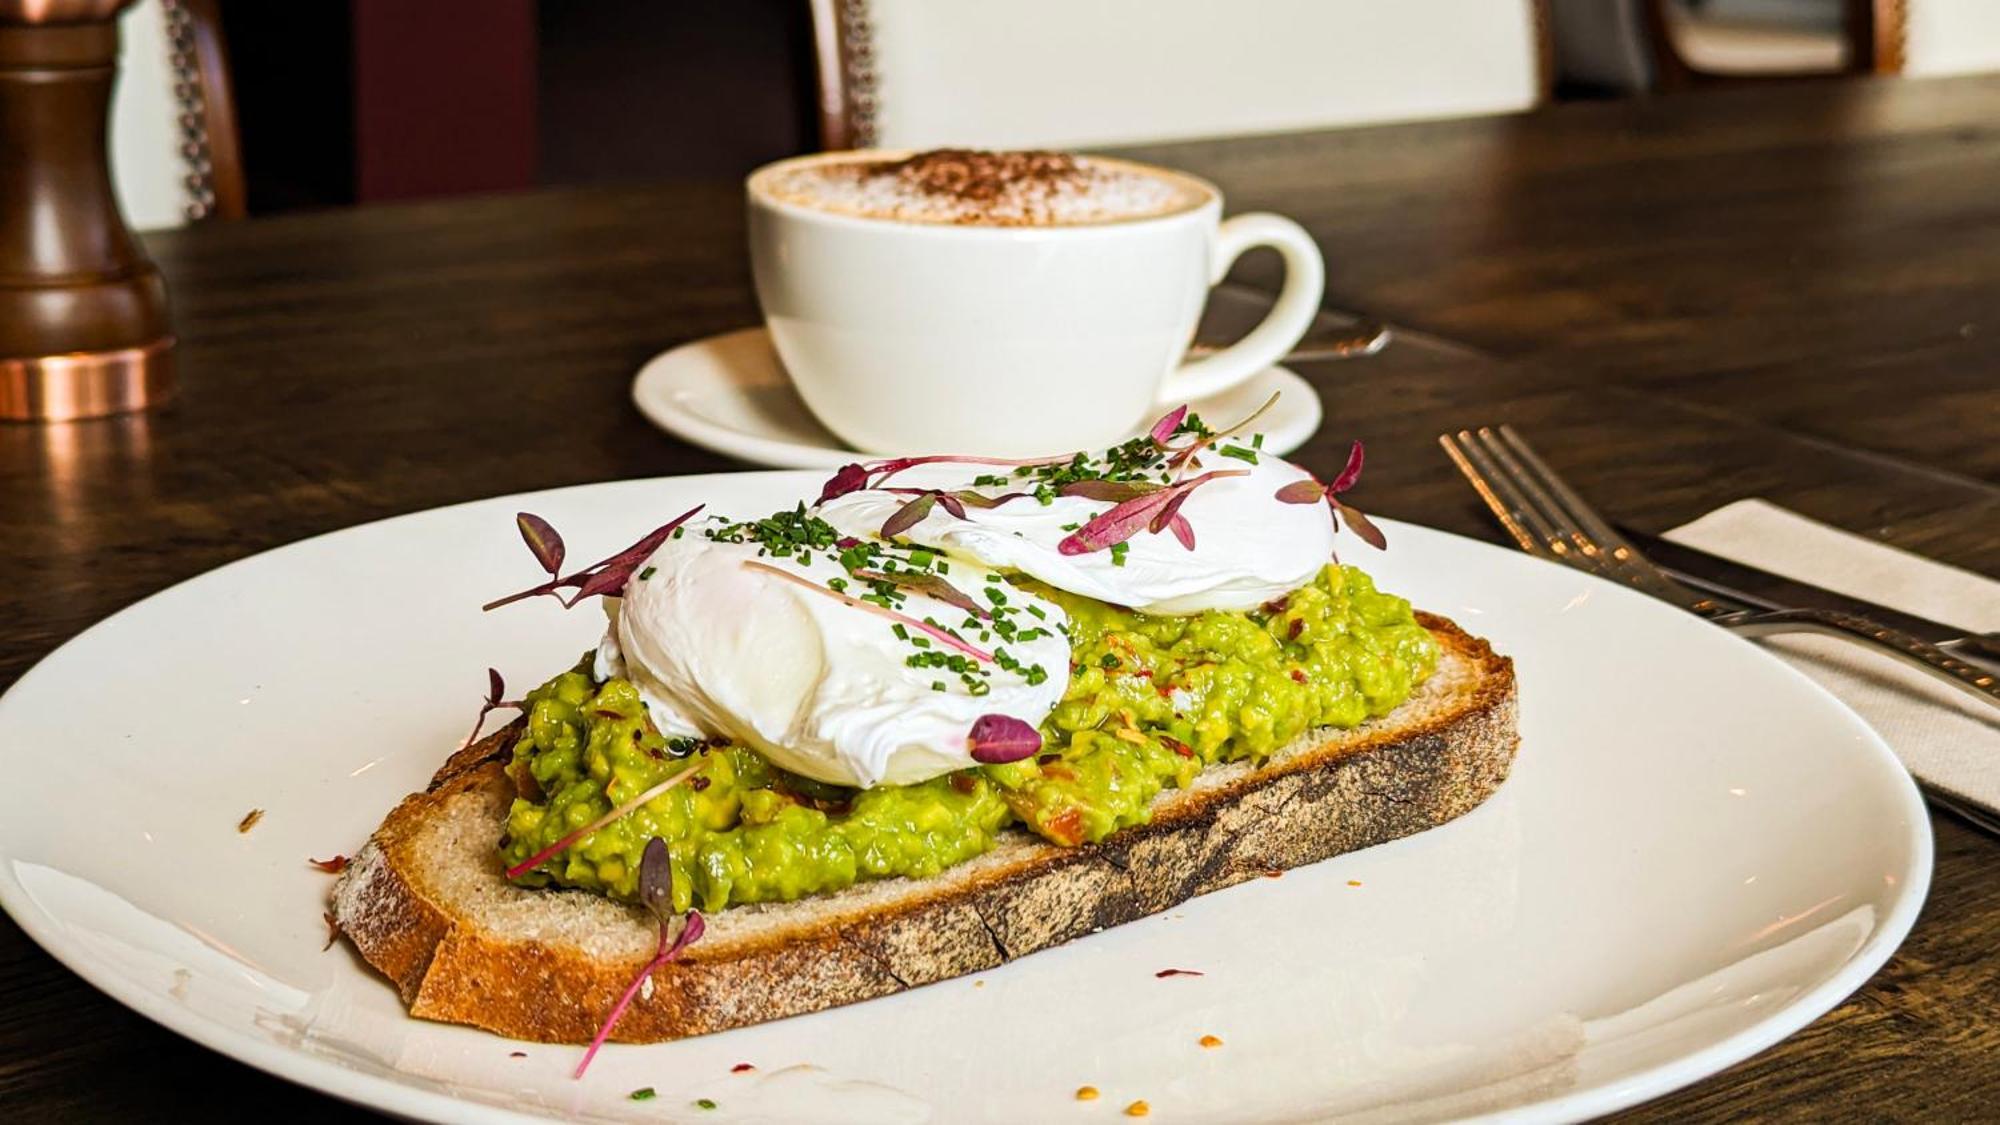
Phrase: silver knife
(1760, 589)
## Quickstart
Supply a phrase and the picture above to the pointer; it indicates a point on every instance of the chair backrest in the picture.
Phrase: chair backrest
(174, 154)
(920, 73)
(1935, 37)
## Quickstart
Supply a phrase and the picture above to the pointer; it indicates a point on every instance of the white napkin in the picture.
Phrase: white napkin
(1945, 737)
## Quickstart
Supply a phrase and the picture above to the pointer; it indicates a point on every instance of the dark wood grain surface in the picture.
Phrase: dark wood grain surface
(1784, 253)
(1667, 295)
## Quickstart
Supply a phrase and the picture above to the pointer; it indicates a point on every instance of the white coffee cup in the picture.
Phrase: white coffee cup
(1009, 341)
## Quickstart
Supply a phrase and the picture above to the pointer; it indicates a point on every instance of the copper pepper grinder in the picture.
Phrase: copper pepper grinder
(83, 312)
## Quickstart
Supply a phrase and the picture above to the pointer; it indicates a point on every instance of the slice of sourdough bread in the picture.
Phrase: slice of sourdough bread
(426, 903)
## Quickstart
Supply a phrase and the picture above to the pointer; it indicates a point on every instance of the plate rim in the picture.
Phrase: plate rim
(329, 1077)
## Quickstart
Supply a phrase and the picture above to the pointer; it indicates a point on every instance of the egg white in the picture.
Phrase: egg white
(718, 649)
(1250, 547)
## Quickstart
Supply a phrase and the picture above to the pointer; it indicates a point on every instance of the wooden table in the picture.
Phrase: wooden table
(1785, 294)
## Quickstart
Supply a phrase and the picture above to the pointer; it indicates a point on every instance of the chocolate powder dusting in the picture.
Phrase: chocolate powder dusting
(977, 176)
(979, 187)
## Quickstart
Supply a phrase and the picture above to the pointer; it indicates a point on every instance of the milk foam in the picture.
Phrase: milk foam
(957, 187)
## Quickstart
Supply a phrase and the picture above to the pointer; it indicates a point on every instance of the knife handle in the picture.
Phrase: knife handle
(1911, 650)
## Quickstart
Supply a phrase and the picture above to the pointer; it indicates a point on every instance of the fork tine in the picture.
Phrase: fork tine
(1484, 487)
(1503, 494)
(1604, 550)
(1558, 523)
(1594, 527)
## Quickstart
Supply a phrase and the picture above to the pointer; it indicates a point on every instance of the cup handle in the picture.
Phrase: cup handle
(1290, 316)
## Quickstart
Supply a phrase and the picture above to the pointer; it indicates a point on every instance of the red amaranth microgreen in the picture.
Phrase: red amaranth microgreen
(1122, 521)
(1351, 472)
(1311, 491)
(615, 815)
(929, 585)
(1165, 973)
(608, 576)
(332, 866)
(859, 476)
(541, 539)
(1109, 491)
(495, 688)
(1169, 422)
(656, 891)
(912, 514)
(942, 636)
(1302, 492)
(998, 739)
(1180, 457)
(924, 499)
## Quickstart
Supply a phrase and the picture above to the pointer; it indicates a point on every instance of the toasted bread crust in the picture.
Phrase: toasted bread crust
(1349, 790)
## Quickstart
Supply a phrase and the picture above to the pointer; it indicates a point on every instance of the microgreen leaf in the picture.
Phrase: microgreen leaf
(656, 889)
(929, 585)
(1109, 491)
(1302, 492)
(1122, 521)
(1360, 524)
(1183, 530)
(1169, 513)
(909, 515)
(997, 739)
(1350, 473)
(542, 540)
(981, 500)
(656, 879)
(1168, 423)
(942, 636)
(608, 576)
(495, 688)
(846, 479)
(951, 503)
(856, 477)
(1184, 455)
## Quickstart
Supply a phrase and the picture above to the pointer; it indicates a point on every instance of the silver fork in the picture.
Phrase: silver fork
(1548, 519)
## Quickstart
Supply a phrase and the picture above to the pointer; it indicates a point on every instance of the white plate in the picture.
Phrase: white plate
(728, 393)
(1698, 852)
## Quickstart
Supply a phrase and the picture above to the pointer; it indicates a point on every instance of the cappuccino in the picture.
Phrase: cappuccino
(964, 187)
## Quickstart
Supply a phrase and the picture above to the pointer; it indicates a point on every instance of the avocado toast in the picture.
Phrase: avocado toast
(827, 749)
(427, 903)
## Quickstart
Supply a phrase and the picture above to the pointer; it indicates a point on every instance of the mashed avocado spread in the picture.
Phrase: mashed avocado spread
(1151, 701)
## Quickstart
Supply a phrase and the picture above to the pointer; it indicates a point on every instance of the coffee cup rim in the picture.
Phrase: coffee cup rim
(1210, 198)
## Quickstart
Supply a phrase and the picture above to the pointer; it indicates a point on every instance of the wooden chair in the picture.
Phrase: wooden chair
(921, 73)
(175, 155)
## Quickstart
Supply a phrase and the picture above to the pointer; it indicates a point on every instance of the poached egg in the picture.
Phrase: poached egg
(1249, 546)
(721, 648)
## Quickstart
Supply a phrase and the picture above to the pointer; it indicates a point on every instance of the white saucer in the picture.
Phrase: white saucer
(729, 393)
